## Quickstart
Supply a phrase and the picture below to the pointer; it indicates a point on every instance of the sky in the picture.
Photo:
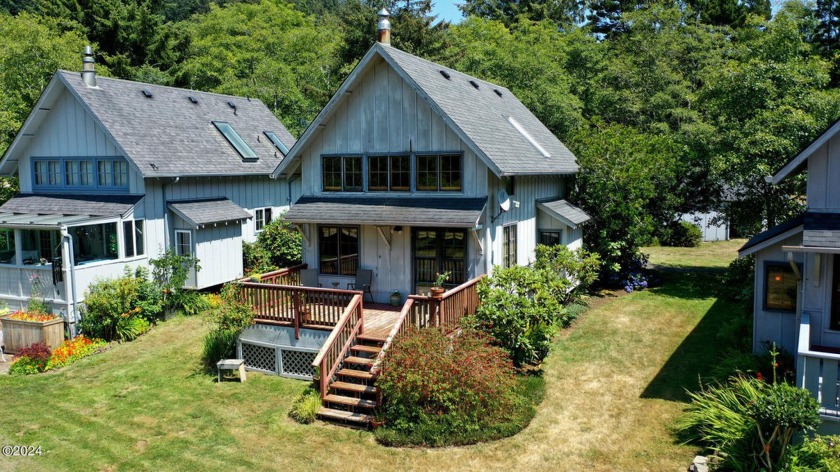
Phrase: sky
(447, 10)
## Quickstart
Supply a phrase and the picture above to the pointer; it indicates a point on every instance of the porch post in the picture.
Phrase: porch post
(296, 308)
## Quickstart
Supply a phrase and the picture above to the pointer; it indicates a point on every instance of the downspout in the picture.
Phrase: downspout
(166, 213)
(71, 267)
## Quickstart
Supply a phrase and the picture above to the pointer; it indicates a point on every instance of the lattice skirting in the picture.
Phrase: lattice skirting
(279, 360)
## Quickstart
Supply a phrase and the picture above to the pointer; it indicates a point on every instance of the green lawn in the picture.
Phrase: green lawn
(614, 386)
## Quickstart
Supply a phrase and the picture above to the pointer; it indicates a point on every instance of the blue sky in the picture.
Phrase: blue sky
(446, 10)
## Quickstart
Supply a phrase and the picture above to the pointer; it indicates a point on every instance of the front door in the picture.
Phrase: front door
(436, 251)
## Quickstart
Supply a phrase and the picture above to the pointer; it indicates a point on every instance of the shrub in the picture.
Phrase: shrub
(256, 259)
(305, 408)
(227, 322)
(282, 242)
(446, 387)
(681, 234)
(567, 274)
(121, 308)
(738, 282)
(31, 360)
(170, 272)
(519, 312)
(748, 423)
(820, 454)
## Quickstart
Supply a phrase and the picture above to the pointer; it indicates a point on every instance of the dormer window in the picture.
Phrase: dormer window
(276, 141)
(235, 140)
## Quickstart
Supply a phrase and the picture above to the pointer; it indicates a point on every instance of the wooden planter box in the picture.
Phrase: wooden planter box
(19, 334)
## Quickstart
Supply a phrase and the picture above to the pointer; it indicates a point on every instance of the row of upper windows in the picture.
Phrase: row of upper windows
(431, 172)
(80, 173)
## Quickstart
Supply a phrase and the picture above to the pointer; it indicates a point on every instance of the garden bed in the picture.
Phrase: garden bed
(20, 334)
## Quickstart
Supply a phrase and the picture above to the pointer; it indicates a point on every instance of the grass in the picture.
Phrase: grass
(614, 386)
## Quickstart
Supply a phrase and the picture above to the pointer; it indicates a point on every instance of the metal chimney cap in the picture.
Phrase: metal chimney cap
(384, 12)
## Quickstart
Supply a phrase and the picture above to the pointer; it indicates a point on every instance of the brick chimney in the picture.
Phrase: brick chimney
(384, 36)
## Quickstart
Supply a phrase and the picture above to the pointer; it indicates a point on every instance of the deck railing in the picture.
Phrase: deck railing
(448, 310)
(285, 276)
(818, 372)
(297, 306)
(349, 326)
(401, 326)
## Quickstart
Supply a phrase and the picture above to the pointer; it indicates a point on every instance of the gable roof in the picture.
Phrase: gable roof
(488, 118)
(168, 135)
(561, 209)
(798, 161)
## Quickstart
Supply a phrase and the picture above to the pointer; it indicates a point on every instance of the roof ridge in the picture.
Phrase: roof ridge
(181, 89)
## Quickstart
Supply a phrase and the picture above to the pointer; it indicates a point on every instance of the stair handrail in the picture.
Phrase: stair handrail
(271, 277)
(321, 362)
(398, 328)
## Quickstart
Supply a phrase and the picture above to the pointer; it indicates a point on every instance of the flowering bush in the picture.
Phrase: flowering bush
(121, 308)
(635, 281)
(38, 357)
(72, 350)
(21, 315)
(446, 387)
(31, 360)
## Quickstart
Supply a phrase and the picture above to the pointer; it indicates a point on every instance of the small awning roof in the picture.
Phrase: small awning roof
(31, 210)
(564, 211)
(448, 212)
(200, 213)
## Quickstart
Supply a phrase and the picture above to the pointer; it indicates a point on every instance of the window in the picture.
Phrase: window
(439, 172)
(38, 244)
(263, 217)
(133, 238)
(437, 251)
(389, 173)
(94, 242)
(183, 243)
(338, 249)
(235, 140)
(342, 173)
(7, 246)
(550, 238)
(510, 185)
(79, 173)
(779, 287)
(276, 141)
(509, 246)
(48, 173)
(112, 173)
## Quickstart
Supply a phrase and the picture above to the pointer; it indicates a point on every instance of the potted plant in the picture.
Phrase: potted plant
(437, 289)
(396, 297)
(25, 328)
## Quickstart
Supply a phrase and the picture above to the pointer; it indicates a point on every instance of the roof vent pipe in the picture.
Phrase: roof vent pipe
(384, 25)
(88, 72)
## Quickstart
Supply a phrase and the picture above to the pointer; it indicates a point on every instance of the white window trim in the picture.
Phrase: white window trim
(178, 246)
(259, 218)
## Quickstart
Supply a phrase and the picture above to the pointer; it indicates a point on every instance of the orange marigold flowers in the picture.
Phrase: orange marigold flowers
(21, 315)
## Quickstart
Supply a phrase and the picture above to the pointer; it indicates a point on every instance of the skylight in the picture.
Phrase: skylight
(235, 140)
(276, 141)
(525, 134)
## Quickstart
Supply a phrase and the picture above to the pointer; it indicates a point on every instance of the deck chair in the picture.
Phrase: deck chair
(363, 280)
(309, 278)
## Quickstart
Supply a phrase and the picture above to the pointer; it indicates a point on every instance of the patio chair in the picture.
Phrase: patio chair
(363, 281)
(309, 278)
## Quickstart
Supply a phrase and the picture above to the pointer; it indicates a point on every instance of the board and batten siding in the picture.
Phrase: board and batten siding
(823, 175)
(69, 130)
(776, 326)
(383, 114)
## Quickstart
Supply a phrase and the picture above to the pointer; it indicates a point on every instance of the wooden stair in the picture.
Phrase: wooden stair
(352, 396)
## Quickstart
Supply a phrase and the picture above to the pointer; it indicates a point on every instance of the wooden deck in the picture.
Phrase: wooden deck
(379, 319)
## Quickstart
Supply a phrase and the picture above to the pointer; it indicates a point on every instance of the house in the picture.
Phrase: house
(114, 171)
(797, 274)
(414, 169)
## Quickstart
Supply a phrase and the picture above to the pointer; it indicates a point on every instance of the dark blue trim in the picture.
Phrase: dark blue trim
(63, 171)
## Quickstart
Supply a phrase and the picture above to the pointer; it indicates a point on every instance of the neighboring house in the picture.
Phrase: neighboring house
(711, 224)
(113, 171)
(797, 274)
(403, 172)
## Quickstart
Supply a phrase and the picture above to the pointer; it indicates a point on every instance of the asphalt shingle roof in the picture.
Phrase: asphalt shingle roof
(483, 116)
(773, 232)
(444, 212)
(167, 135)
(88, 205)
(567, 211)
(208, 211)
